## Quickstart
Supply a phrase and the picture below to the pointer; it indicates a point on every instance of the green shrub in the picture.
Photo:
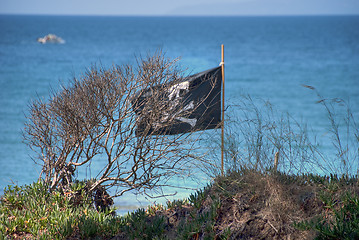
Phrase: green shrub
(33, 210)
(341, 220)
(141, 226)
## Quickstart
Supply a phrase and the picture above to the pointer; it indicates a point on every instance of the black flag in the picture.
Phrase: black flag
(192, 104)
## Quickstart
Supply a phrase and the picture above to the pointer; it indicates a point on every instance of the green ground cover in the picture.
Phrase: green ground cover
(244, 204)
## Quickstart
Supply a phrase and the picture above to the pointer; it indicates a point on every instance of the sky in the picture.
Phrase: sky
(180, 7)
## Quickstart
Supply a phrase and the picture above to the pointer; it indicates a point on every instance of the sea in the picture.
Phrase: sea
(268, 58)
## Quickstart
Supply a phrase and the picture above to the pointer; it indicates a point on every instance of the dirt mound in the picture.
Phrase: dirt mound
(252, 205)
(264, 208)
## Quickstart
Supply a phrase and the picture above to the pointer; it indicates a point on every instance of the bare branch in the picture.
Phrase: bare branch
(94, 120)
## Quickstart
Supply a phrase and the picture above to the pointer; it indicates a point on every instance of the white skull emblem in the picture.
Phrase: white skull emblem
(175, 96)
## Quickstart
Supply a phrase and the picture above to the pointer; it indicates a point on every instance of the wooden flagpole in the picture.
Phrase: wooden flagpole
(222, 147)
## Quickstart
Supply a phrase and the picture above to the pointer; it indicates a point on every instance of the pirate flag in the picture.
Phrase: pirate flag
(192, 104)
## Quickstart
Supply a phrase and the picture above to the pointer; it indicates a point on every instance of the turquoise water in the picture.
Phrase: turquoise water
(267, 57)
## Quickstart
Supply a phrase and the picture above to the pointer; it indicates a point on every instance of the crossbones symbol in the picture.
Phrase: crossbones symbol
(175, 96)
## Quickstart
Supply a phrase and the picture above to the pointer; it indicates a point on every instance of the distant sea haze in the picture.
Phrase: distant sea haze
(267, 57)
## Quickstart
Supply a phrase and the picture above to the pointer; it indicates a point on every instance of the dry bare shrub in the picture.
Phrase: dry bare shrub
(94, 120)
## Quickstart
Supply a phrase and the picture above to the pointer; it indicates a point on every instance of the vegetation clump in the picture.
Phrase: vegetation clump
(244, 204)
(32, 211)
